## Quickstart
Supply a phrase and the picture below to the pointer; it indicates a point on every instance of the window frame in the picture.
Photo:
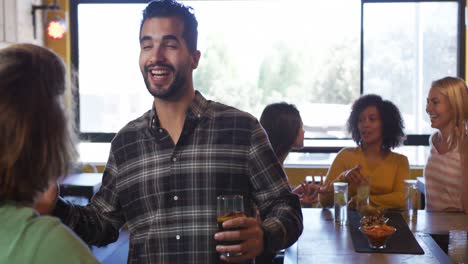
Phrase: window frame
(411, 140)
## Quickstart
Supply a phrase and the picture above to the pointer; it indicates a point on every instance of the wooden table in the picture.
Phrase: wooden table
(324, 242)
(81, 184)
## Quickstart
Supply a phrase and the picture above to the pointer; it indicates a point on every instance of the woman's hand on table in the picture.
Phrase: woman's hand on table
(326, 195)
(308, 192)
(327, 188)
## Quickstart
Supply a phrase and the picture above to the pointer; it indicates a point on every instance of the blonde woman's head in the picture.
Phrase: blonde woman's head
(455, 93)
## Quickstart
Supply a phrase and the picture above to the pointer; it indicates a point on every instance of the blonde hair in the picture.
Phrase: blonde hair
(456, 91)
(37, 139)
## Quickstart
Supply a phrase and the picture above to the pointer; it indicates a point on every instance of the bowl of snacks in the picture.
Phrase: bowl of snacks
(377, 235)
(372, 220)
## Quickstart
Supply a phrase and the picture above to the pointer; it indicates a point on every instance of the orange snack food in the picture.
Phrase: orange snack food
(378, 234)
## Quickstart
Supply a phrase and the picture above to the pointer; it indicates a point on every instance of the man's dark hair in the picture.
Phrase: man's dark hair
(282, 122)
(392, 122)
(170, 8)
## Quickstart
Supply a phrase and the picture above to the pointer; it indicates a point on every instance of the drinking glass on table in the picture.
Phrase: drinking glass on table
(362, 194)
(411, 200)
(340, 198)
(229, 207)
(458, 246)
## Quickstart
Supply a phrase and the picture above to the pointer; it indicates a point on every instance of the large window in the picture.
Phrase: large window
(253, 53)
(405, 47)
(318, 54)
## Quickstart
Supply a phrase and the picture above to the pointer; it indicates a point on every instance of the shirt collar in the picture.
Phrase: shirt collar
(197, 108)
(196, 111)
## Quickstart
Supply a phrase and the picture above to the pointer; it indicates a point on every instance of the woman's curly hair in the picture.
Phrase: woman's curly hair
(392, 122)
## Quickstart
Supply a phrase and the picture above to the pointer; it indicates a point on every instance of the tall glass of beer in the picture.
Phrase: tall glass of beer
(229, 207)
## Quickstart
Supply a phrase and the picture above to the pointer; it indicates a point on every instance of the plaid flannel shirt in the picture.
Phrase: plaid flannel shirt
(167, 193)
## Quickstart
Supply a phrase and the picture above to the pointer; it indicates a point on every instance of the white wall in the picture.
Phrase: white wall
(16, 22)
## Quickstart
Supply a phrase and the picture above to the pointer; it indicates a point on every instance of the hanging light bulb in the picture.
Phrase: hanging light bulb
(56, 28)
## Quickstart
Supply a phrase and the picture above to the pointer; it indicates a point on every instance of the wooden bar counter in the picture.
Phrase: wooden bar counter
(322, 241)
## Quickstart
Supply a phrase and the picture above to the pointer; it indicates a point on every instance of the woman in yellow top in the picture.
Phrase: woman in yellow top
(377, 127)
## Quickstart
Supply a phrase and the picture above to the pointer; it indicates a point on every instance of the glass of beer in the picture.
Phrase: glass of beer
(229, 207)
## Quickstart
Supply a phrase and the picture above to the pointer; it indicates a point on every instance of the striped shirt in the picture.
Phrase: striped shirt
(167, 193)
(443, 175)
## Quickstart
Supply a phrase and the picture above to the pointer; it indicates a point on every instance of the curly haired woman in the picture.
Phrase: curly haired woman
(377, 127)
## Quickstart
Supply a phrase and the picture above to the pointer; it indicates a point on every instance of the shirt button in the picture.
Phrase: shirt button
(174, 159)
(198, 115)
(176, 198)
(177, 237)
(160, 130)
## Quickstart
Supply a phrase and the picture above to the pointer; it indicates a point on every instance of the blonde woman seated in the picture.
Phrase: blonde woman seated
(446, 171)
(36, 148)
(377, 127)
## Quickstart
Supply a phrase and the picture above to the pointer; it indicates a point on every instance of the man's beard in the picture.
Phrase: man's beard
(173, 92)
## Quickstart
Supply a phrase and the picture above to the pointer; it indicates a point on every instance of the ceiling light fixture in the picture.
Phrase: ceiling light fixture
(56, 28)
